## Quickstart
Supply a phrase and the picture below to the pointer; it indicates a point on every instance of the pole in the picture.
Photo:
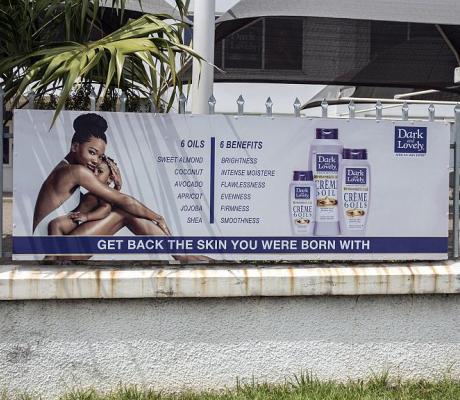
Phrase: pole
(203, 44)
(456, 179)
(2, 97)
(92, 100)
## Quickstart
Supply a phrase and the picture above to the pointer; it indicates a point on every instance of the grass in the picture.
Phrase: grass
(301, 387)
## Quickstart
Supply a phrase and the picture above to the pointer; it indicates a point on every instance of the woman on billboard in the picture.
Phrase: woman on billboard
(60, 194)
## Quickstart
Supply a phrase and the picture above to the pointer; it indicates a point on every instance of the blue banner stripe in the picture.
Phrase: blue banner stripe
(212, 180)
(225, 245)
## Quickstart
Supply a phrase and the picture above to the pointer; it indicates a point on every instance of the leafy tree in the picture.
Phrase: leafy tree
(64, 45)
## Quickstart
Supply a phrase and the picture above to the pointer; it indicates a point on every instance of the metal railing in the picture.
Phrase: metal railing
(240, 102)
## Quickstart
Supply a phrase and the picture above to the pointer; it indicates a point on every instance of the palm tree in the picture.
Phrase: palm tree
(49, 45)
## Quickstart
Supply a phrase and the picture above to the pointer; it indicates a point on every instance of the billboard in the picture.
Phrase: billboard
(215, 187)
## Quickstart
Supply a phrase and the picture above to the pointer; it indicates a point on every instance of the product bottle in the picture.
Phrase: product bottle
(302, 198)
(355, 185)
(324, 160)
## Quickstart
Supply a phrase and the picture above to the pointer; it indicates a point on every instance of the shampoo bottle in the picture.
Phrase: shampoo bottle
(324, 160)
(302, 198)
(355, 184)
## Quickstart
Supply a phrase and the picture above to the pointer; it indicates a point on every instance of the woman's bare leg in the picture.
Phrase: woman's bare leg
(110, 225)
(102, 227)
(141, 226)
(61, 226)
(118, 219)
(115, 221)
(107, 226)
(58, 227)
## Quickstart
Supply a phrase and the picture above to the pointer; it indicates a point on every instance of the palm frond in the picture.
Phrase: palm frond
(140, 56)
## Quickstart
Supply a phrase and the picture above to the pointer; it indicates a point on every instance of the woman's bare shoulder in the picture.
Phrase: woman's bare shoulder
(65, 174)
(64, 167)
(75, 169)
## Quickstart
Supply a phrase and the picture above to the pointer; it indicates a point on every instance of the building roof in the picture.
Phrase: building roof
(444, 12)
(399, 43)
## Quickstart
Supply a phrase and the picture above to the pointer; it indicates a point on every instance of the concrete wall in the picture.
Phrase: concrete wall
(52, 346)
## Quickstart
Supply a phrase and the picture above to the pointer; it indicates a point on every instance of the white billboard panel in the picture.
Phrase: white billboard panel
(229, 188)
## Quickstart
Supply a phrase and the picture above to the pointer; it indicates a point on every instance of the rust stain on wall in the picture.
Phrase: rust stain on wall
(356, 279)
(97, 274)
(113, 282)
(386, 278)
(412, 279)
(203, 281)
(11, 276)
(246, 281)
(291, 275)
(261, 281)
(243, 280)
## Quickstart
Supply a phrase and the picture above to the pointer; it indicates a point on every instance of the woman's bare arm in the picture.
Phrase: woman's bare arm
(85, 178)
(101, 211)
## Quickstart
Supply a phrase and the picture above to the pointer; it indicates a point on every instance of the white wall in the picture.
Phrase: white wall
(53, 346)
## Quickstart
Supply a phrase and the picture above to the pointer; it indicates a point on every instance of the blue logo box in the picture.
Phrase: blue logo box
(410, 140)
(355, 176)
(302, 192)
(327, 162)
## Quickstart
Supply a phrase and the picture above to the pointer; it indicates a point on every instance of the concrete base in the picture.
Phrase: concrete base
(52, 346)
(38, 282)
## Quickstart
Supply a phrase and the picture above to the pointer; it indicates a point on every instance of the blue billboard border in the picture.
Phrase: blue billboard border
(78, 245)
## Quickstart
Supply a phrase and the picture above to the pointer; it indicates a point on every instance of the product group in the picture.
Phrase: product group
(332, 196)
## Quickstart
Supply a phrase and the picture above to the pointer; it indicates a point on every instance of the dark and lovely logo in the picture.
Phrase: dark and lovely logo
(327, 162)
(302, 192)
(355, 176)
(410, 140)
